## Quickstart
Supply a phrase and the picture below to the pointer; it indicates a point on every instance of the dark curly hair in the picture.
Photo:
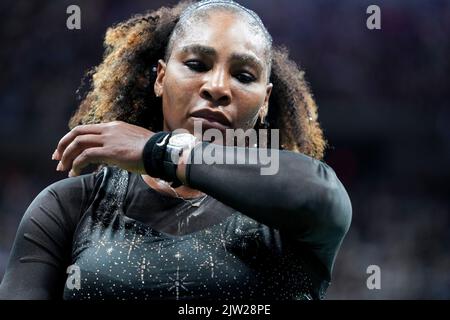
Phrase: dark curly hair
(121, 87)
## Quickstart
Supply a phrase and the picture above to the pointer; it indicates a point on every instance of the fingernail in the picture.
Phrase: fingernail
(59, 167)
(71, 174)
(54, 156)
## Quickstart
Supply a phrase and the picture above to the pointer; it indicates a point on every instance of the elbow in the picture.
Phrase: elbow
(326, 211)
(335, 209)
(318, 203)
(327, 204)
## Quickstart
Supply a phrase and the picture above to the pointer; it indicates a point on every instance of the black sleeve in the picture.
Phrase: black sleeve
(304, 199)
(42, 248)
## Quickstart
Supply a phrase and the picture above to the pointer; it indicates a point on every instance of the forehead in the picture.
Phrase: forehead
(225, 31)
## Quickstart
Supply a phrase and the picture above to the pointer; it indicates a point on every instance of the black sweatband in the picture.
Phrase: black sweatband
(153, 154)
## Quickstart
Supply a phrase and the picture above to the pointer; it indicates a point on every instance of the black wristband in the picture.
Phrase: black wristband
(153, 154)
(154, 158)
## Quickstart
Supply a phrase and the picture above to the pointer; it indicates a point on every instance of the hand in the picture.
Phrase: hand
(114, 143)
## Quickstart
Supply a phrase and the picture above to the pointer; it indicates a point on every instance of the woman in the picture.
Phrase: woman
(148, 226)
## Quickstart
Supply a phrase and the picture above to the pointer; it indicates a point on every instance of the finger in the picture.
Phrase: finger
(91, 155)
(72, 134)
(76, 147)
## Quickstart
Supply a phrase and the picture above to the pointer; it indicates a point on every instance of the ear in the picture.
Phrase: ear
(265, 107)
(160, 74)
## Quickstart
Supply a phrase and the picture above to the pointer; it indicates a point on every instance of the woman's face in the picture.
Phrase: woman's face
(216, 74)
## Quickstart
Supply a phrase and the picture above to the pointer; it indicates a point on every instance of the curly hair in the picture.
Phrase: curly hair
(121, 87)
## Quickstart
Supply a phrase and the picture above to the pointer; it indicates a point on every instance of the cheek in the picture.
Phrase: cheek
(173, 93)
(249, 106)
(177, 97)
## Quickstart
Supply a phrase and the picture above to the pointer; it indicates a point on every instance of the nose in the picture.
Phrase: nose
(216, 87)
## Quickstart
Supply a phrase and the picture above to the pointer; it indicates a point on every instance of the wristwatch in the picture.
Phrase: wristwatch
(174, 149)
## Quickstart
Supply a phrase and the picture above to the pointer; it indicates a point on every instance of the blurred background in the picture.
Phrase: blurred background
(383, 105)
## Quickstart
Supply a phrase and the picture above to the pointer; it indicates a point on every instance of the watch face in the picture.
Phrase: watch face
(182, 140)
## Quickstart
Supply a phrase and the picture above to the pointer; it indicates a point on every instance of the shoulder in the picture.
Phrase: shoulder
(76, 187)
(69, 197)
(42, 247)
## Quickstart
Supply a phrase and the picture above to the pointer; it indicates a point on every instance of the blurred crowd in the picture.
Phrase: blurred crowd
(383, 103)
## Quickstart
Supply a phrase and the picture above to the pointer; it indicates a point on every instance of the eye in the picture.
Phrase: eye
(196, 65)
(245, 77)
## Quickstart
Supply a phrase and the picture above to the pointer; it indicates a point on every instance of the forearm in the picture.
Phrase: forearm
(303, 195)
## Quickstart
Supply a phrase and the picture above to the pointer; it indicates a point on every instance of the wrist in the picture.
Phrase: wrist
(166, 155)
(184, 161)
(177, 151)
(154, 152)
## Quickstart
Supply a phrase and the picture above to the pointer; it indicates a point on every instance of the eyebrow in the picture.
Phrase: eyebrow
(243, 58)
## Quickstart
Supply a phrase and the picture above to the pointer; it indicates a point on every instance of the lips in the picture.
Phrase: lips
(213, 117)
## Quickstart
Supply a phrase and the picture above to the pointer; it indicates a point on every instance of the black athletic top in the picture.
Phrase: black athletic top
(108, 235)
